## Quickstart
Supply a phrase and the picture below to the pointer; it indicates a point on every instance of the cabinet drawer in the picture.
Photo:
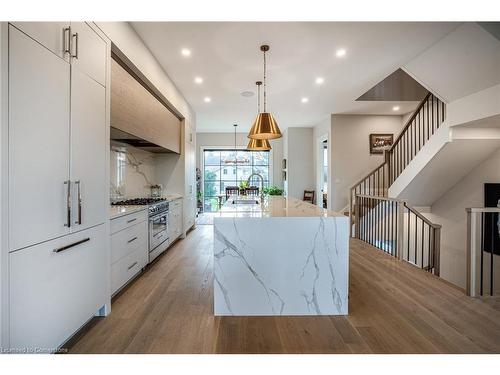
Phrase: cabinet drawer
(126, 221)
(129, 239)
(52, 294)
(127, 267)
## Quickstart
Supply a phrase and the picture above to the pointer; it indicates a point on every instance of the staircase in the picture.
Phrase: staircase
(391, 224)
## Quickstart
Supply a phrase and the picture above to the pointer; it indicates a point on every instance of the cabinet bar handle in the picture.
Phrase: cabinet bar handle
(58, 250)
(67, 41)
(79, 197)
(132, 265)
(75, 37)
(68, 204)
(131, 220)
(132, 240)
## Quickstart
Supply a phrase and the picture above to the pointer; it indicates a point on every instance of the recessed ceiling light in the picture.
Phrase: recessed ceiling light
(395, 108)
(304, 100)
(340, 52)
(247, 94)
(198, 80)
(207, 99)
(320, 80)
(186, 52)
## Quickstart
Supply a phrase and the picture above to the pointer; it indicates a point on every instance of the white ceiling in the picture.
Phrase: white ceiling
(471, 56)
(228, 58)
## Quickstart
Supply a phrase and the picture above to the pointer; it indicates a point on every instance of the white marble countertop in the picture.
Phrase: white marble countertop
(171, 197)
(117, 211)
(273, 206)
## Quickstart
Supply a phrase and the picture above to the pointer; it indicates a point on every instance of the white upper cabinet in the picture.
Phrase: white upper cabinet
(39, 105)
(88, 151)
(88, 51)
(53, 35)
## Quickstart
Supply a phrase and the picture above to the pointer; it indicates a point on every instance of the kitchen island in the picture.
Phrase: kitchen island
(280, 256)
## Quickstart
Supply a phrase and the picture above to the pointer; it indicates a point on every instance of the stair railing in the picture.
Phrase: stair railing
(423, 123)
(396, 228)
(483, 251)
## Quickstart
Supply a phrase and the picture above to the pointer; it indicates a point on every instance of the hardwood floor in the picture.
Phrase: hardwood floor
(393, 308)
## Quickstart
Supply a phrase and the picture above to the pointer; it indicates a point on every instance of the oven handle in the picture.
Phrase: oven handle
(165, 213)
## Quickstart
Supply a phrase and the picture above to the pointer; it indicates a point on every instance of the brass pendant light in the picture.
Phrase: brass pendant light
(258, 144)
(264, 126)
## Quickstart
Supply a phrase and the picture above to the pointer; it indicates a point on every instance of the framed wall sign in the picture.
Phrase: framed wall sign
(380, 142)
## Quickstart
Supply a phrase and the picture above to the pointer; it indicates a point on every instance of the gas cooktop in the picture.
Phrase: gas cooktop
(138, 201)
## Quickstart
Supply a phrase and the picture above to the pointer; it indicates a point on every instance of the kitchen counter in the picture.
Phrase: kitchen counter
(117, 211)
(172, 197)
(272, 206)
(281, 256)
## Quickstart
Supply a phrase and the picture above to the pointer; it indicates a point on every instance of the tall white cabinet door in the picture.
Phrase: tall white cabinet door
(53, 35)
(55, 287)
(89, 51)
(88, 151)
(39, 92)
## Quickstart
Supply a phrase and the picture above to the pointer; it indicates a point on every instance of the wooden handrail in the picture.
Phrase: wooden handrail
(427, 221)
(368, 175)
(483, 209)
(380, 222)
(380, 198)
(410, 120)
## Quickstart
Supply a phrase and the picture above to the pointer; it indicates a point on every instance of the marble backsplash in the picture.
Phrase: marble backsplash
(132, 171)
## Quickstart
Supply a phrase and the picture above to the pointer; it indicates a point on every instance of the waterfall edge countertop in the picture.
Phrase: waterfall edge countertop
(272, 206)
(280, 257)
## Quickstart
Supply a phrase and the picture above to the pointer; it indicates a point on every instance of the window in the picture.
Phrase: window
(215, 182)
(325, 169)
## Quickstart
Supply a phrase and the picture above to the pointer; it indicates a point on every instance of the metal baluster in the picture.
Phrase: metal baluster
(422, 247)
(482, 252)
(415, 245)
(427, 108)
(492, 214)
(408, 250)
(429, 247)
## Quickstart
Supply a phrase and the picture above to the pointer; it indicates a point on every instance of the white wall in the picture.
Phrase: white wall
(319, 131)
(207, 140)
(449, 211)
(300, 161)
(3, 182)
(350, 151)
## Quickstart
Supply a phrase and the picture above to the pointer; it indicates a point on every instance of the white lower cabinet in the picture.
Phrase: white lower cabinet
(174, 220)
(56, 287)
(129, 248)
(126, 268)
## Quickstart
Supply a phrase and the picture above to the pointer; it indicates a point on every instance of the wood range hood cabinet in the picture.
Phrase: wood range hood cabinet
(145, 120)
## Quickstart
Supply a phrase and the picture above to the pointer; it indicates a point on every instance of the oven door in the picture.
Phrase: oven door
(158, 230)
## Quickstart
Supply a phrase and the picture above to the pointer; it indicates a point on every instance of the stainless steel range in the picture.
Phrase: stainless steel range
(158, 222)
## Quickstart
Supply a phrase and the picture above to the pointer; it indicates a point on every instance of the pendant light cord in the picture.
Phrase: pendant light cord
(264, 81)
(258, 96)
